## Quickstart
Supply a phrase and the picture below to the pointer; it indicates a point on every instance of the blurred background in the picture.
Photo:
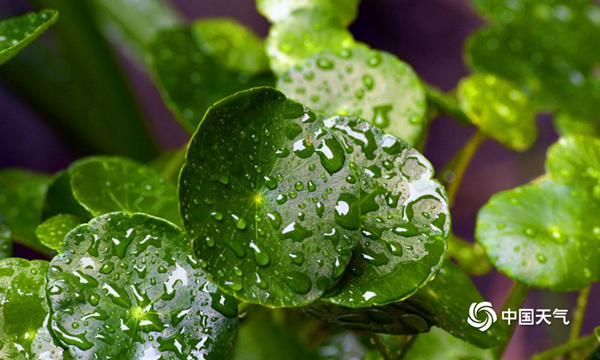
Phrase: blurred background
(429, 35)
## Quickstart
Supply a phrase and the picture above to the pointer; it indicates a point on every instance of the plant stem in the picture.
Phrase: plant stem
(515, 300)
(409, 341)
(456, 168)
(446, 104)
(380, 346)
(582, 301)
(566, 348)
(174, 165)
(470, 256)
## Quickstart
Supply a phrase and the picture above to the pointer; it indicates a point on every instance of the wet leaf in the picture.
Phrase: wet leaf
(169, 164)
(127, 287)
(301, 35)
(267, 202)
(544, 235)
(575, 160)
(404, 218)
(52, 232)
(60, 199)
(191, 78)
(566, 124)
(21, 198)
(499, 109)
(107, 184)
(357, 81)
(279, 10)
(438, 344)
(44, 346)
(6, 245)
(546, 47)
(345, 346)
(22, 291)
(17, 33)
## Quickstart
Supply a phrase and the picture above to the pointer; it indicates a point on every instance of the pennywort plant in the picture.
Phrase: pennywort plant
(301, 221)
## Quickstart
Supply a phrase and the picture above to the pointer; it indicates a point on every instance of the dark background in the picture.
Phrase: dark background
(428, 35)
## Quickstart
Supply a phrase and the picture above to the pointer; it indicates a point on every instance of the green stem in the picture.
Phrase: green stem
(407, 344)
(517, 296)
(452, 174)
(582, 301)
(446, 104)
(470, 256)
(566, 348)
(174, 164)
(380, 346)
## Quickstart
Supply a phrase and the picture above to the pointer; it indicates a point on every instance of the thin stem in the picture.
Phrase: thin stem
(517, 296)
(409, 341)
(174, 164)
(446, 104)
(380, 346)
(566, 348)
(582, 301)
(470, 256)
(454, 171)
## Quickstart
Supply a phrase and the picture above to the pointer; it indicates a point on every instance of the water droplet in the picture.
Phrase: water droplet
(260, 255)
(331, 154)
(500, 226)
(325, 64)
(217, 215)
(270, 182)
(240, 224)
(374, 60)
(394, 249)
(347, 211)
(297, 282)
(381, 115)
(299, 185)
(540, 257)
(281, 199)
(320, 208)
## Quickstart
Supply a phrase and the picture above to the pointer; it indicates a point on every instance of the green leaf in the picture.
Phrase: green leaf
(279, 10)
(107, 184)
(17, 33)
(60, 199)
(127, 287)
(44, 346)
(169, 164)
(266, 202)
(404, 218)
(235, 46)
(597, 332)
(546, 47)
(499, 109)
(544, 235)
(6, 245)
(345, 346)
(575, 160)
(21, 198)
(306, 32)
(438, 344)
(191, 78)
(52, 232)
(23, 306)
(357, 81)
(566, 124)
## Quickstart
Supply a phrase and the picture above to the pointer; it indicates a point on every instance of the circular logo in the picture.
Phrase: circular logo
(482, 307)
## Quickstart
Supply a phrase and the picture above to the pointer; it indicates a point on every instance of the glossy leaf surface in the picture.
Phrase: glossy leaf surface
(60, 199)
(575, 160)
(5, 235)
(438, 344)
(22, 292)
(370, 84)
(17, 33)
(108, 184)
(303, 34)
(191, 79)
(404, 217)
(127, 287)
(545, 235)
(499, 109)
(268, 203)
(21, 198)
(566, 124)
(278, 10)
(52, 232)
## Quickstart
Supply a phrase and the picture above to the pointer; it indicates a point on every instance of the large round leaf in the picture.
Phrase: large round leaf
(545, 235)
(303, 34)
(107, 184)
(278, 10)
(404, 217)
(499, 109)
(370, 84)
(16, 33)
(576, 160)
(265, 196)
(127, 287)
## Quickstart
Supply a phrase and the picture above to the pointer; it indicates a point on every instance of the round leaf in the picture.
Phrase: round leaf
(303, 34)
(16, 33)
(6, 245)
(438, 344)
(267, 202)
(107, 184)
(60, 200)
(545, 235)
(499, 109)
(566, 124)
(576, 160)
(370, 84)
(278, 10)
(127, 287)
(404, 218)
(52, 232)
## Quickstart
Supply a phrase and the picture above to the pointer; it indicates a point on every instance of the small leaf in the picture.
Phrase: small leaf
(191, 77)
(17, 33)
(127, 287)
(266, 202)
(357, 81)
(575, 160)
(52, 232)
(499, 109)
(60, 200)
(279, 10)
(23, 306)
(345, 346)
(545, 235)
(6, 245)
(438, 344)
(301, 35)
(566, 124)
(107, 184)
(404, 218)
(21, 198)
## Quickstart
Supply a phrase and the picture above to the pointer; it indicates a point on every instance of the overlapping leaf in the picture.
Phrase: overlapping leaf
(278, 10)
(127, 287)
(52, 232)
(5, 235)
(438, 344)
(575, 160)
(60, 199)
(17, 33)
